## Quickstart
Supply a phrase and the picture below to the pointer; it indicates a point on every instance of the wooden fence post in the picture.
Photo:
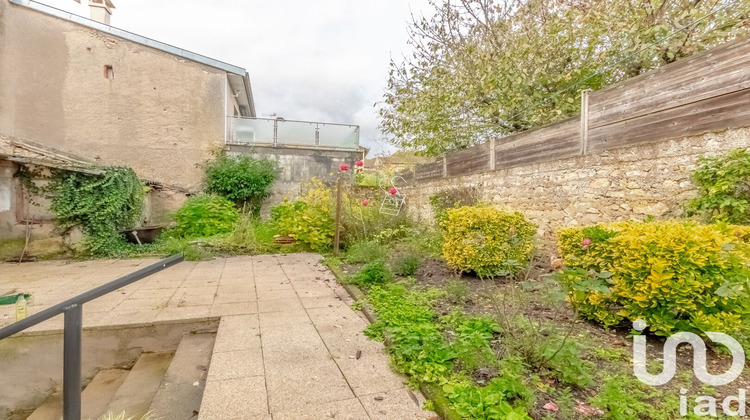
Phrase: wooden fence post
(492, 154)
(445, 166)
(585, 121)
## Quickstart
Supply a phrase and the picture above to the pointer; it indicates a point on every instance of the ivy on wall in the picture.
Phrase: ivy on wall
(101, 205)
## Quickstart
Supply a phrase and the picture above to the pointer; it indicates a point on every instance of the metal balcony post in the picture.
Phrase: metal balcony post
(72, 363)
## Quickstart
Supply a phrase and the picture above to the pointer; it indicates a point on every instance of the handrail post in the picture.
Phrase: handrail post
(72, 363)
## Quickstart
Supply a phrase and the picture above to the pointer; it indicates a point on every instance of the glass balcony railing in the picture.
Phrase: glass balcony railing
(280, 132)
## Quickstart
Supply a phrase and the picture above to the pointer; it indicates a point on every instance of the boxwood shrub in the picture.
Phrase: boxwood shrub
(675, 275)
(487, 241)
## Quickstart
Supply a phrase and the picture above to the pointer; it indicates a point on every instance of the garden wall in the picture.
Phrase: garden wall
(298, 165)
(618, 184)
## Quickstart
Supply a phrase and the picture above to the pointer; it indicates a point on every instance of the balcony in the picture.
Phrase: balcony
(287, 133)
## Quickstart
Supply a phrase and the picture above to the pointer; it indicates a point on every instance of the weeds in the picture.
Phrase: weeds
(406, 265)
(373, 273)
(365, 252)
(457, 292)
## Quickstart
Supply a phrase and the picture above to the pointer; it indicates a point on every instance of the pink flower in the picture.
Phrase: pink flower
(344, 167)
(393, 191)
(586, 242)
(359, 163)
(365, 202)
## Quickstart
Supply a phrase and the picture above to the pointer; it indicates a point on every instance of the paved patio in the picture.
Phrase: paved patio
(288, 345)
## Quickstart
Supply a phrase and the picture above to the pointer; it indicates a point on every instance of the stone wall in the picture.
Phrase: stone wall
(619, 184)
(157, 113)
(298, 165)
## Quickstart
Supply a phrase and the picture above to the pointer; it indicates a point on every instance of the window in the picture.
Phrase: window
(109, 72)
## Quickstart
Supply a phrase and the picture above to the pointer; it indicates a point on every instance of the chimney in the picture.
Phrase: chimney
(101, 10)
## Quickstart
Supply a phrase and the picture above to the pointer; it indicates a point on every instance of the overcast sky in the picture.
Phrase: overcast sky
(320, 60)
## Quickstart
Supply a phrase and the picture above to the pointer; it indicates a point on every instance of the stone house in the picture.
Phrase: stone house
(111, 96)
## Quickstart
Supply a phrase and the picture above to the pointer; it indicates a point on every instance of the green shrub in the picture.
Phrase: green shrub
(205, 215)
(676, 275)
(251, 235)
(373, 273)
(406, 265)
(309, 219)
(451, 198)
(307, 223)
(365, 252)
(487, 241)
(243, 180)
(724, 188)
(101, 205)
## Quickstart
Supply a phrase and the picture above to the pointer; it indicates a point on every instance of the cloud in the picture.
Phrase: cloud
(323, 60)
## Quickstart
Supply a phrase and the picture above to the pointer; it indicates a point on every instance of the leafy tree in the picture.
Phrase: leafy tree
(244, 180)
(484, 68)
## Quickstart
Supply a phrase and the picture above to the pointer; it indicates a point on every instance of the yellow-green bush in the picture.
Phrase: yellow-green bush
(676, 275)
(308, 219)
(486, 240)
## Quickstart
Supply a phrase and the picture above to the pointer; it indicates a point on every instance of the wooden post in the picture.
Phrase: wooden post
(585, 121)
(445, 166)
(337, 235)
(492, 154)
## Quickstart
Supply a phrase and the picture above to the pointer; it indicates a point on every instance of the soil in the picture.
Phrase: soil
(489, 297)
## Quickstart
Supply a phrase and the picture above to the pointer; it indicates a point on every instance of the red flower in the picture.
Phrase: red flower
(393, 191)
(365, 202)
(359, 163)
(586, 242)
(344, 167)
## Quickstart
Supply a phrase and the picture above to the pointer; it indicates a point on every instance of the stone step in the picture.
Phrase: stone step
(180, 393)
(51, 408)
(100, 391)
(137, 391)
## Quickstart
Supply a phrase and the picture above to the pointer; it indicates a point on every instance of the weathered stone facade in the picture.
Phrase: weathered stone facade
(109, 99)
(619, 184)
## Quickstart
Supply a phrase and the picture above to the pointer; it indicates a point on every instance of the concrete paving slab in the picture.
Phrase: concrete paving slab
(301, 386)
(235, 308)
(237, 333)
(226, 297)
(397, 404)
(183, 313)
(290, 317)
(350, 409)
(221, 399)
(236, 364)
(290, 303)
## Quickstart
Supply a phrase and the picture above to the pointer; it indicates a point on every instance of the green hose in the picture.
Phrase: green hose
(11, 300)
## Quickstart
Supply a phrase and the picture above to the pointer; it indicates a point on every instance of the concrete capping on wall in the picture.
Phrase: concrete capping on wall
(704, 93)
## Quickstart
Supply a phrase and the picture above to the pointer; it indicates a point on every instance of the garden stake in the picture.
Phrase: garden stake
(336, 236)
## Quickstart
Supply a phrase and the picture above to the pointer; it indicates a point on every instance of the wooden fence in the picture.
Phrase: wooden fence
(707, 92)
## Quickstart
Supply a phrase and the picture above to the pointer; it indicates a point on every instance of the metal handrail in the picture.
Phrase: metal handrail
(72, 330)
